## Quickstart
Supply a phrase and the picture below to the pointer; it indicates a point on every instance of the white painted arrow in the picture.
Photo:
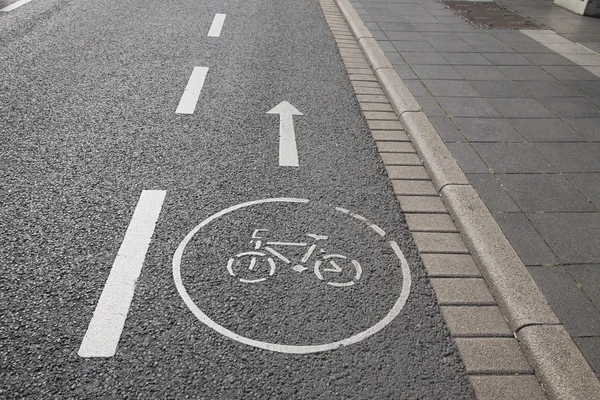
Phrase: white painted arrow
(288, 153)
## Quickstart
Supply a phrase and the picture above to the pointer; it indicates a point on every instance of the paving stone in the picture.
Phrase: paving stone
(381, 115)
(571, 107)
(529, 47)
(430, 106)
(431, 27)
(446, 129)
(569, 72)
(541, 88)
(356, 84)
(467, 107)
(407, 172)
(404, 71)
(506, 59)
(409, 36)
(466, 59)
(368, 90)
(456, 46)
(436, 72)
(414, 188)
(576, 242)
(498, 89)
(416, 87)
(369, 98)
(395, 147)
(430, 242)
(481, 73)
(590, 347)
(525, 73)
(545, 130)
(588, 184)
(421, 204)
(492, 355)
(447, 265)
(450, 88)
(587, 277)
(589, 128)
(400, 159)
(411, 45)
(462, 291)
(488, 130)
(360, 71)
(575, 310)
(527, 242)
(544, 192)
(491, 192)
(383, 125)
(392, 136)
(572, 157)
(507, 387)
(520, 107)
(513, 158)
(547, 59)
(376, 107)
(424, 58)
(430, 223)
(473, 321)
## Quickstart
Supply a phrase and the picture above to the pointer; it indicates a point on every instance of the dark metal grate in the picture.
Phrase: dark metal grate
(490, 15)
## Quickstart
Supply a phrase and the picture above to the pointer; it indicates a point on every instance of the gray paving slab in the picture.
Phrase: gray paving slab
(499, 88)
(436, 71)
(488, 130)
(467, 107)
(491, 191)
(546, 88)
(527, 242)
(577, 240)
(430, 105)
(588, 184)
(572, 157)
(525, 72)
(506, 59)
(425, 58)
(499, 387)
(590, 347)
(571, 107)
(450, 265)
(493, 355)
(473, 321)
(456, 88)
(466, 59)
(569, 73)
(544, 193)
(545, 130)
(574, 308)
(447, 129)
(520, 107)
(514, 158)
(547, 59)
(481, 73)
(468, 160)
(587, 276)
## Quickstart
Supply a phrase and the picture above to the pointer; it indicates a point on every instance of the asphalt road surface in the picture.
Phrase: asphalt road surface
(256, 280)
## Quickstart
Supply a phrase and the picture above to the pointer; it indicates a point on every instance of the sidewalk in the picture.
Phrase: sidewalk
(520, 112)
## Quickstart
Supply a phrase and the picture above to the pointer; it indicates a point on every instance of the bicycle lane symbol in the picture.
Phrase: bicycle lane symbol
(264, 265)
(269, 257)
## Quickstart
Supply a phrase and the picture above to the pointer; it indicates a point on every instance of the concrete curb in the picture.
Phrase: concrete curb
(558, 363)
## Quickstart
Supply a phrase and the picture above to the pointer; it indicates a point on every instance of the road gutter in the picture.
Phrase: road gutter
(558, 364)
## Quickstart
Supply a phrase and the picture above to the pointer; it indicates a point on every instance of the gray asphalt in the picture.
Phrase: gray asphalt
(87, 121)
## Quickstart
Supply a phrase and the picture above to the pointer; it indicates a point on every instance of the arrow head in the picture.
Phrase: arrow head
(284, 108)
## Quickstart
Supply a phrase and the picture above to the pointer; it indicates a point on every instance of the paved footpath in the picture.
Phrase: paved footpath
(193, 206)
(520, 112)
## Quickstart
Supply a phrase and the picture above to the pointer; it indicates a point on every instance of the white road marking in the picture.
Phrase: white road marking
(104, 331)
(217, 25)
(575, 52)
(282, 348)
(190, 95)
(288, 152)
(15, 5)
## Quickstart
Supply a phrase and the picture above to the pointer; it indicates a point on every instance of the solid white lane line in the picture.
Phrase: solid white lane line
(217, 25)
(104, 331)
(15, 5)
(190, 95)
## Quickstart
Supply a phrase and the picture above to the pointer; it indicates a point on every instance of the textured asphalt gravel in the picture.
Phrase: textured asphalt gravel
(87, 121)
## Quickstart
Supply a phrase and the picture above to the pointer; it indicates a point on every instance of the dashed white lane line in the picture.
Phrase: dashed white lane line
(575, 52)
(14, 5)
(104, 331)
(217, 25)
(190, 95)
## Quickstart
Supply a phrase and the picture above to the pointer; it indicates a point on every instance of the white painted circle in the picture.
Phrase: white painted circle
(283, 348)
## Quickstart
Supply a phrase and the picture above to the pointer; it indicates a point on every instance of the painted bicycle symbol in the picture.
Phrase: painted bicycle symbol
(260, 264)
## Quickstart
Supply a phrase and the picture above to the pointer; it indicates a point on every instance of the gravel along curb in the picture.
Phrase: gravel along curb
(557, 362)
